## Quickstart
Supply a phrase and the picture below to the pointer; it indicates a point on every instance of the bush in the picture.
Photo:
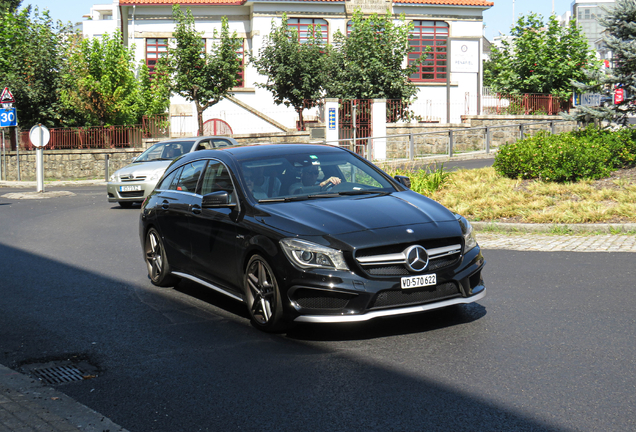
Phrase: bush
(426, 180)
(590, 153)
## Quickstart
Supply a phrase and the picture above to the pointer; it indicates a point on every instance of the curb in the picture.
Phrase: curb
(38, 406)
(608, 228)
(33, 184)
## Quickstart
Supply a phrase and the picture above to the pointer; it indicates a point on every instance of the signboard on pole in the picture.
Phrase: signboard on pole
(6, 97)
(587, 99)
(619, 95)
(39, 135)
(465, 56)
(8, 117)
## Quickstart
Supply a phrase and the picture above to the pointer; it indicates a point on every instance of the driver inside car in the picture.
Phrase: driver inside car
(309, 181)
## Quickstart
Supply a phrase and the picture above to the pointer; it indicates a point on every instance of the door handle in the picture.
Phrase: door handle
(196, 209)
(165, 204)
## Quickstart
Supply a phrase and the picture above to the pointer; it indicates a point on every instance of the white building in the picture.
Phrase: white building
(147, 25)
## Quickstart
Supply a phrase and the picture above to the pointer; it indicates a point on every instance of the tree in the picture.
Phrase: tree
(155, 91)
(99, 81)
(620, 36)
(31, 59)
(539, 58)
(296, 72)
(10, 5)
(200, 77)
(369, 62)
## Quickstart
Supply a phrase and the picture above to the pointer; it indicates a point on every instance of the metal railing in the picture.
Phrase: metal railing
(101, 137)
(448, 142)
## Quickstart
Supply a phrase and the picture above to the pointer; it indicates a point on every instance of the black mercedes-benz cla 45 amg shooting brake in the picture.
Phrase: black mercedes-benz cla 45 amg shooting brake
(307, 233)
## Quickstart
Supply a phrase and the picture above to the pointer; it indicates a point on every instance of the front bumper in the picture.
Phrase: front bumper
(353, 299)
(116, 195)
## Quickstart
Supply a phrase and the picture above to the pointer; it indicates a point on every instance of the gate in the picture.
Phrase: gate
(216, 127)
(358, 111)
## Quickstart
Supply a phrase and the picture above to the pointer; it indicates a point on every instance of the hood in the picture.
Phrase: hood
(333, 216)
(137, 169)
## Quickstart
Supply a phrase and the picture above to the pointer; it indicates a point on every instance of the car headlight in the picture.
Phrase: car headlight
(158, 173)
(113, 177)
(467, 230)
(308, 255)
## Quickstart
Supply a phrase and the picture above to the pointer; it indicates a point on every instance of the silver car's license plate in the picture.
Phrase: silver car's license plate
(419, 281)
(129, 188)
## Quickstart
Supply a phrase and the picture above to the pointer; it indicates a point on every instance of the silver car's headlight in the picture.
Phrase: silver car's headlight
(113, 177)
(467, 230)
(308, 255)
(157, 174)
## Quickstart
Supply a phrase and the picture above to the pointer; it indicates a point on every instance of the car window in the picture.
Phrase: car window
(216, 143)
(167, 180)
(189, 176)
(217, 178)
(204, 145)
(165, 151)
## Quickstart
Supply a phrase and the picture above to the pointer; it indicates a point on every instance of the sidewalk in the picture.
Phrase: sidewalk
(26, 405)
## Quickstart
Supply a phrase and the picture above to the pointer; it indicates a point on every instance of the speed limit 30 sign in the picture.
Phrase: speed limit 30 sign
(8, 117)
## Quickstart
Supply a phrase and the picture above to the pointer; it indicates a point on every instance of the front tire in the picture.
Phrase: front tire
(263, 296)
(157, 261)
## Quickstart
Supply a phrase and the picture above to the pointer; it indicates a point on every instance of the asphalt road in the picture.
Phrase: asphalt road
(550, 348)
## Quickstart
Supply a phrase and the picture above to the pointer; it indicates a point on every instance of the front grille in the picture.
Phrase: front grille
(409, 297)
(388, 270)
(376, 262)
(318, 299)
(133, 194)
(138, 178)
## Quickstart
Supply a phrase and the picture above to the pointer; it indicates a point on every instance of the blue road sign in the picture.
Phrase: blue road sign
(8, 117)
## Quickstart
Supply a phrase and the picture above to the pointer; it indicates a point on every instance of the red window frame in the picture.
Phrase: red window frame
(155, 48)
(302, 26)
(434, 66)
(240, 56)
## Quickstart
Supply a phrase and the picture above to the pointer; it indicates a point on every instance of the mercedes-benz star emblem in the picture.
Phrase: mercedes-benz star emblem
(416, 258)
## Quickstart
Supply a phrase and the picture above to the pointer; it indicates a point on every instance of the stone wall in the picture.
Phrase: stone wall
(433, 138)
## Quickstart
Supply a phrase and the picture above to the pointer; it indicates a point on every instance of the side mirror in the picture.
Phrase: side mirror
(216, 200)
(404, 181)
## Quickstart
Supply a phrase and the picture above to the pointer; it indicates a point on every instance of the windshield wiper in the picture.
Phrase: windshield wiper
(299, 197)
(364, 192)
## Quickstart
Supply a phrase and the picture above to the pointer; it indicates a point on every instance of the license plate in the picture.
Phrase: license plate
(419, 281)
(129, 188)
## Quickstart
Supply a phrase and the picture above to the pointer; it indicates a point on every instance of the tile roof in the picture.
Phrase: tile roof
(239, 2)
(448, 2)
(181, 2)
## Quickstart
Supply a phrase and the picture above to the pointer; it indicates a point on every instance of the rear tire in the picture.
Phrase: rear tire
(263, 296)
(157, 261)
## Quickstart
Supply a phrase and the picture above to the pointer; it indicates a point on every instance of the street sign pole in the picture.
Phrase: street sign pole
(40, 137)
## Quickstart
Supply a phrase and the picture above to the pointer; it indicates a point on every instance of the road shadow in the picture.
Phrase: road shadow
(214, 372)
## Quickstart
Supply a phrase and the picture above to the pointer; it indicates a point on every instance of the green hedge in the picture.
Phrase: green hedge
(590, 153)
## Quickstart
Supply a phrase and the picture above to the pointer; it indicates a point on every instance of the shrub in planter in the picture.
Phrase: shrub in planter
(587, 154)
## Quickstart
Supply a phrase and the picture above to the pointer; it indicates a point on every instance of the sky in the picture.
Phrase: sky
(497, 19)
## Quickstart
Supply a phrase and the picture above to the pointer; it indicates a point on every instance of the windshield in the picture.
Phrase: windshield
(165, 151)
(306, 176)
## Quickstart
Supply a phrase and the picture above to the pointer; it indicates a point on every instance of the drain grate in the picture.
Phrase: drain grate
(60, 374)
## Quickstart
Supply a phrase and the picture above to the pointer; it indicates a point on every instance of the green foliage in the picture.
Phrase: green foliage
(587, 154)
(428, 180)
(539, 58)
(295, 72)
(100, 86)
(200, 77)
(369, 62)
(30, 63)
(619, 38)
(155, 92)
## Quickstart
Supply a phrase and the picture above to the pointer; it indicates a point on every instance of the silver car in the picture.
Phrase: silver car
(134, 182)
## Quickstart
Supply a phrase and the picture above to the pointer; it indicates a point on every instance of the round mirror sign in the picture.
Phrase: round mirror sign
(39, 135)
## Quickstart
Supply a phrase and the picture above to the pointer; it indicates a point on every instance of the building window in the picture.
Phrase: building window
(433, 35)
(155, 48)
(304, 31)
(240, 56)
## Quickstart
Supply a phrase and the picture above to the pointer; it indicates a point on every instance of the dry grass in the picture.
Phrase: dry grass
(483, 195)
